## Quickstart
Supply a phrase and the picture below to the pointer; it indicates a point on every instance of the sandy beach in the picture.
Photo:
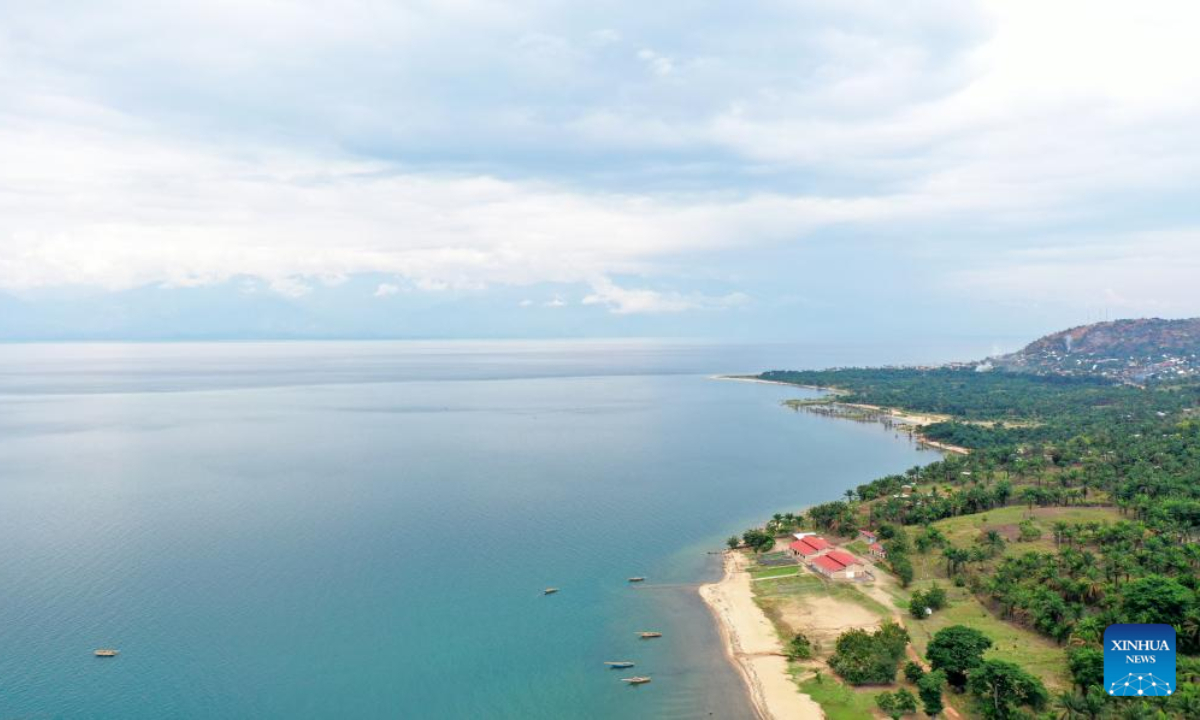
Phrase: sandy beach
(753, 646)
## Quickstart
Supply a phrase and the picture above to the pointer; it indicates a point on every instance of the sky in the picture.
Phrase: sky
(827, 171)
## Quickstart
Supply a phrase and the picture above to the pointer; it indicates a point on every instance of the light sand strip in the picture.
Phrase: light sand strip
(754, 647)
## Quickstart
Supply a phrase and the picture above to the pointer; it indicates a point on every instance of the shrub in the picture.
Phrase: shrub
(1087, 667)
(929, 687)
(898, 704)
(1003, 688)
(799, 648)
(864, 658)
(903, 569)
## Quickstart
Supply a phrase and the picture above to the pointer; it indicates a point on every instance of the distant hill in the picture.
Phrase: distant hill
(1126, 350)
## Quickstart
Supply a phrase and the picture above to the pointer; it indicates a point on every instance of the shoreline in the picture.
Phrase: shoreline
(753, 646)
(912, 419)
(760, 381)
(750, 640)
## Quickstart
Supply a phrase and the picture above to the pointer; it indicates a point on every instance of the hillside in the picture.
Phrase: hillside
(1126, 350)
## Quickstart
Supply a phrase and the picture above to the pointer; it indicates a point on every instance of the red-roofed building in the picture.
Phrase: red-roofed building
(877, 551)
(868, 535)
(827, 566)
(842, 556)
(810, 546)
(838, 564)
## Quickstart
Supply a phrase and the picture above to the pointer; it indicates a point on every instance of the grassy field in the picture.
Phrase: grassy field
(1012, 643)
(778, 597)
(807, 584)
(759, 571)
(858, 547)
(963, 530)
(779, 589)
(840, 702)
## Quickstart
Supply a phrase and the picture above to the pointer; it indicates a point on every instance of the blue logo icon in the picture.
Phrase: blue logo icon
(1139, 660)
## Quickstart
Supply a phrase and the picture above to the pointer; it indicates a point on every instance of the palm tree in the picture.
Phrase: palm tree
(1087, 631)
(994, 541)
(1078, 706)
(1137, 711)
(1190, 627)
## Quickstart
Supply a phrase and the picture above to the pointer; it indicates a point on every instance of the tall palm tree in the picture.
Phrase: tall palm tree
(1081, 706)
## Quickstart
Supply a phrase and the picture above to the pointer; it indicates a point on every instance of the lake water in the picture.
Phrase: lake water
(328, 530)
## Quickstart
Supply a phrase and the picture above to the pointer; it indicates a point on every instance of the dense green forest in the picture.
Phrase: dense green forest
(1048, 442)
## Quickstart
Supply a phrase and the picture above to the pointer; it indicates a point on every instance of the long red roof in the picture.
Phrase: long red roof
(810, 545)
(841, 557)
(829, 564)
(801, 547)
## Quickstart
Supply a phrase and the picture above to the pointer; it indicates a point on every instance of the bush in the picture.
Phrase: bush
(1003, 688)
(864, 658)
(1087, 667)
(898, 704)
(935, 597)
(759, 540)
(913, 672)
(932, 599)
(929, 687)
(917, 606)
(799, 648)
(903, 569)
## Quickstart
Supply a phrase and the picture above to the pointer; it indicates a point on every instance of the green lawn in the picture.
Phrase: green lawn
(858, 547)
(808, 584)
(963, 530)
(1012, 643)
(840, 702)
(775, 572)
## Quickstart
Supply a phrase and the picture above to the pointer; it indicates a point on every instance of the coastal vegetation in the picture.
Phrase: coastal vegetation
(1077, 506)
(870, 658)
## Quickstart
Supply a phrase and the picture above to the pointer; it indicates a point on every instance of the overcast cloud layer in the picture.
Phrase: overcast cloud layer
(389, 168)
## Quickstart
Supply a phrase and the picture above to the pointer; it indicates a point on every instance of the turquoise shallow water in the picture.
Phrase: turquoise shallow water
(363, 530)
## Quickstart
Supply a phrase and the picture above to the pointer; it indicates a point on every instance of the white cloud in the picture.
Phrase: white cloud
(606, 36)
(628, 301)
(1129, 274)
(660, 65)
(386, 289)
(153, 144)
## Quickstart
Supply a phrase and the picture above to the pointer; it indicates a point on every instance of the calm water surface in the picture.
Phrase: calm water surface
(364, 530)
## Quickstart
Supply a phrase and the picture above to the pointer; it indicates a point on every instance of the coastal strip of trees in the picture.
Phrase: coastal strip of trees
(1043, 442)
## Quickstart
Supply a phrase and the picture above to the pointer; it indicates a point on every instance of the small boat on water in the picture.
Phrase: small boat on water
(638, 680)
(106, 652)
(549, 591)
(637, 579)
(649, 634)
(619, 664)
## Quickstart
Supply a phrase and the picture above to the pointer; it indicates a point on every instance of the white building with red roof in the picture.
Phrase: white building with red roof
(810, 546)
(838, 565)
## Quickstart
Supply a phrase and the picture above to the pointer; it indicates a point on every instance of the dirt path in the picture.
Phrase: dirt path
(878, 591)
